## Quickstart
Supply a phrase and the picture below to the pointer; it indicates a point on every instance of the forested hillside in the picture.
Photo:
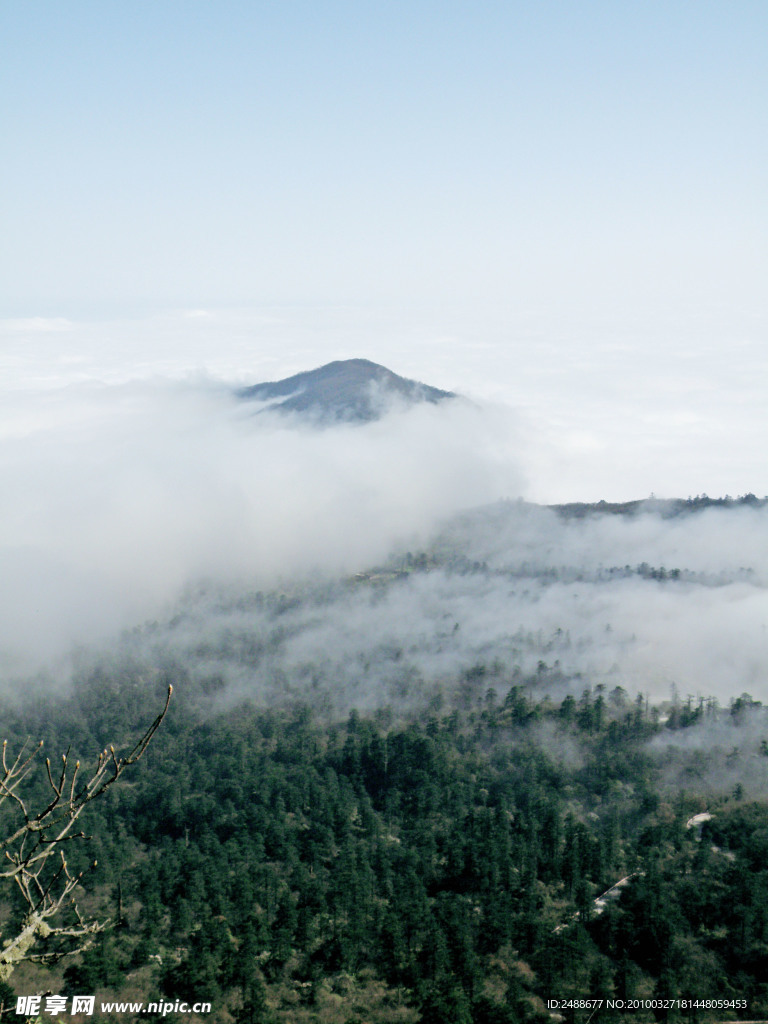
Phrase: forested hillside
(439, 868)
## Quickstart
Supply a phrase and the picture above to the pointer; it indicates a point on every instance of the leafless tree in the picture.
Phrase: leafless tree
(34, 850)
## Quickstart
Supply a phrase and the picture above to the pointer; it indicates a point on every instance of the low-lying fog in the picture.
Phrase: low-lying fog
(114, 498)
(266, 557)
(547, 604)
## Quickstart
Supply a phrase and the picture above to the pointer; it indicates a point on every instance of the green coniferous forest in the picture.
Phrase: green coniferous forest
(440, 867)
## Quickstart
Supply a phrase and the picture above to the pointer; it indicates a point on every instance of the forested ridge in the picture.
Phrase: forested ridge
(441, 867)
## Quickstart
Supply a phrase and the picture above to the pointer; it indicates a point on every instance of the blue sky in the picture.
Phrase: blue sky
(174, 154)
(557, 205)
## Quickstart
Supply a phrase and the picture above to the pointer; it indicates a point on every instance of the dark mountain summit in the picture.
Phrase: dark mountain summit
(352, 390)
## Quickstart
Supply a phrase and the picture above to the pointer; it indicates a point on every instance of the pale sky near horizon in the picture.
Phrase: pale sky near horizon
(555, 205)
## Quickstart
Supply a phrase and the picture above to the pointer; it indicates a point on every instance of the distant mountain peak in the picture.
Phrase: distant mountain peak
(346, 390)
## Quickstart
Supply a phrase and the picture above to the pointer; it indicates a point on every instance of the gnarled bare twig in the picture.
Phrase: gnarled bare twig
(47, 885)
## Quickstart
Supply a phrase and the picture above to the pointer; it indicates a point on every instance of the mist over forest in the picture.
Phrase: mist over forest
(358, 564)
(116, 498)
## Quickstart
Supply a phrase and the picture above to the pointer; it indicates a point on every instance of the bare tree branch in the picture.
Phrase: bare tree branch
(47, 887)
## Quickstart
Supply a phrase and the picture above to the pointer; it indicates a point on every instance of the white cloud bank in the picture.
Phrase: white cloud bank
(115, 497)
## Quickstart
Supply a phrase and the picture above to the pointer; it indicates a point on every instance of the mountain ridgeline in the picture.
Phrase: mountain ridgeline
(346, 390)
